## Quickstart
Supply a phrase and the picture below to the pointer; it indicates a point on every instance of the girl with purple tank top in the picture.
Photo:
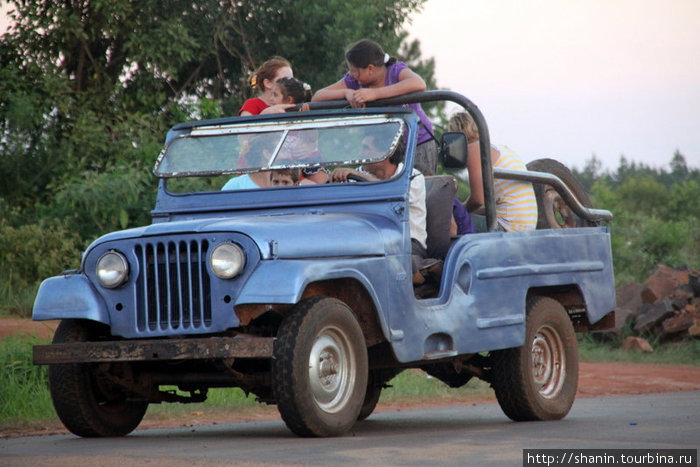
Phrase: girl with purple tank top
(372, 75)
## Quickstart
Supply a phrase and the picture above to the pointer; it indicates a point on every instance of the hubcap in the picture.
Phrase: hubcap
(332, 369)
(557, 210)
(548, 362)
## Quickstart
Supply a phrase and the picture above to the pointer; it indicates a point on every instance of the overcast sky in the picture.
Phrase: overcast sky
(571, 78)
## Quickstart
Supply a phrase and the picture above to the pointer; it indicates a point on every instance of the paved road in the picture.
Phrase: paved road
(472, 435)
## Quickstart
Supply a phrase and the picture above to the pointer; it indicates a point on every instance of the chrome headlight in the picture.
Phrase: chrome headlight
(227, 260)
(112, 269)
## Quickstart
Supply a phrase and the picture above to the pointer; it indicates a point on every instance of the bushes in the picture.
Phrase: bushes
(102, 201)
(30, 253)
(655, 217)
(640, 242)
(41, 244)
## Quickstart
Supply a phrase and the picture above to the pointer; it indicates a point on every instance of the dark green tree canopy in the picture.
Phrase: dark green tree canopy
(146, 52)
(90, 84)
(88, 89)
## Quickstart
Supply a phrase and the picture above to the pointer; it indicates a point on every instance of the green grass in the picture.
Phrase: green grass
(219, 400)
(24, 394)
(684, 352)
(416, 384)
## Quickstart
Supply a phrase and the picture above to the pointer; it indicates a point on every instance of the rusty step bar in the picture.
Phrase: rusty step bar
(155, 350)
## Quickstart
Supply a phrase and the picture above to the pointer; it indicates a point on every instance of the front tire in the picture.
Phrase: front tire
(319, 370)
(87, 404)
(538, 381)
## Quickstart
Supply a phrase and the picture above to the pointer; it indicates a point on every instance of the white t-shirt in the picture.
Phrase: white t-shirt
(416, 205)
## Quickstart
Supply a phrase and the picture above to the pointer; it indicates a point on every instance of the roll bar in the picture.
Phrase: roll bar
(589, 214)
(487, 170)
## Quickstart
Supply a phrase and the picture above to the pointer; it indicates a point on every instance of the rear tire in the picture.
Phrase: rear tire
(538, 381)
(552, 211)
(89, 405)
(374, 391)
(376, 381)
(319, 370)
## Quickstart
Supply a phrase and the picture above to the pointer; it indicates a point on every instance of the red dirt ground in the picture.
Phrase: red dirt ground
(595, 380)
(12, 326)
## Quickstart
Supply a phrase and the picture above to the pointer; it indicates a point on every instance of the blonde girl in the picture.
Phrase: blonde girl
(516, 206)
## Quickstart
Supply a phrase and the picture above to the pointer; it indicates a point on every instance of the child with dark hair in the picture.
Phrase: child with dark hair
(291, 91)
(285, 177)
(372, 75)
(299, 145)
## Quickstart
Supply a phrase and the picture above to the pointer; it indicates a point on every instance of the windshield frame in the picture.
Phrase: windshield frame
(284, 128)
(171, 205)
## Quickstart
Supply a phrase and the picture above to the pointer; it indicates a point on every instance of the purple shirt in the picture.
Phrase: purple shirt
(462, 218)
(392, 77)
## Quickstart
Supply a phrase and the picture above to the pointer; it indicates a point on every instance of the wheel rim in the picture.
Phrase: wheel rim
(548, 362)
(332, 369)
(558, 213)
(107, 396)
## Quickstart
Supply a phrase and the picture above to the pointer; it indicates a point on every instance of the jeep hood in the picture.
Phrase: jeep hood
(294, 235)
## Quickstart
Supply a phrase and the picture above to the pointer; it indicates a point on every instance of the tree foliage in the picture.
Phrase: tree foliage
(88, 89)
(655, 213)
(85, 83)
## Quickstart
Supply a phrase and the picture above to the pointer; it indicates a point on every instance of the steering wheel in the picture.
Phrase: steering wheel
(357, 178)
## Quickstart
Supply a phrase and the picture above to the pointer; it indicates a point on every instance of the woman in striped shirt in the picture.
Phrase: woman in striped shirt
(516, 206)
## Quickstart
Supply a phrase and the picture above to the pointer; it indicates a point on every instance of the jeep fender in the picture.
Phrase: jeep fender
(69, 297)
(284, 281)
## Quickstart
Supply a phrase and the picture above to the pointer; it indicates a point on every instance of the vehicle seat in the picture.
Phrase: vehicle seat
(440, 191)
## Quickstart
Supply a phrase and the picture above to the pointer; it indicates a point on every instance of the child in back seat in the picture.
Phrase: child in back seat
(461, 220)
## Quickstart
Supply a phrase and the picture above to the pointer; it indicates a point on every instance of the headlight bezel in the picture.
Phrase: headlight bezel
(115, 274)
(227, 260)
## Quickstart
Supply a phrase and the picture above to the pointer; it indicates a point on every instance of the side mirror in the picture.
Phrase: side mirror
(453, 150)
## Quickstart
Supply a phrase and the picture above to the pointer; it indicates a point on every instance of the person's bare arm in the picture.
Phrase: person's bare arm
(276, 109)
(335, 91)
(409, 81)
(476, 184)
(341, 174)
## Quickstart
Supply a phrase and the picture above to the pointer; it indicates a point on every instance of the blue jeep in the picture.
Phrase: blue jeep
(303, 295)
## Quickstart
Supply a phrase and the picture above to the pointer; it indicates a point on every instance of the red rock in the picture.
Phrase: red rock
(694, 330)
(679, 323)
(663, 283)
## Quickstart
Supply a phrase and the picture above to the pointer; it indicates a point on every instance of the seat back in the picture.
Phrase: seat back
(440, 191)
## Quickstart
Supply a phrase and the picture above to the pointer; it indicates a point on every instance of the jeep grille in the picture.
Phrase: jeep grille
(173, 286)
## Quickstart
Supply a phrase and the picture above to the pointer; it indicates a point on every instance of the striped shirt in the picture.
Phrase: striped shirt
(516, 206)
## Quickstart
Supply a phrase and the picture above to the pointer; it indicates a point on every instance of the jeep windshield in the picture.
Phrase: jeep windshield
(211, 154)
